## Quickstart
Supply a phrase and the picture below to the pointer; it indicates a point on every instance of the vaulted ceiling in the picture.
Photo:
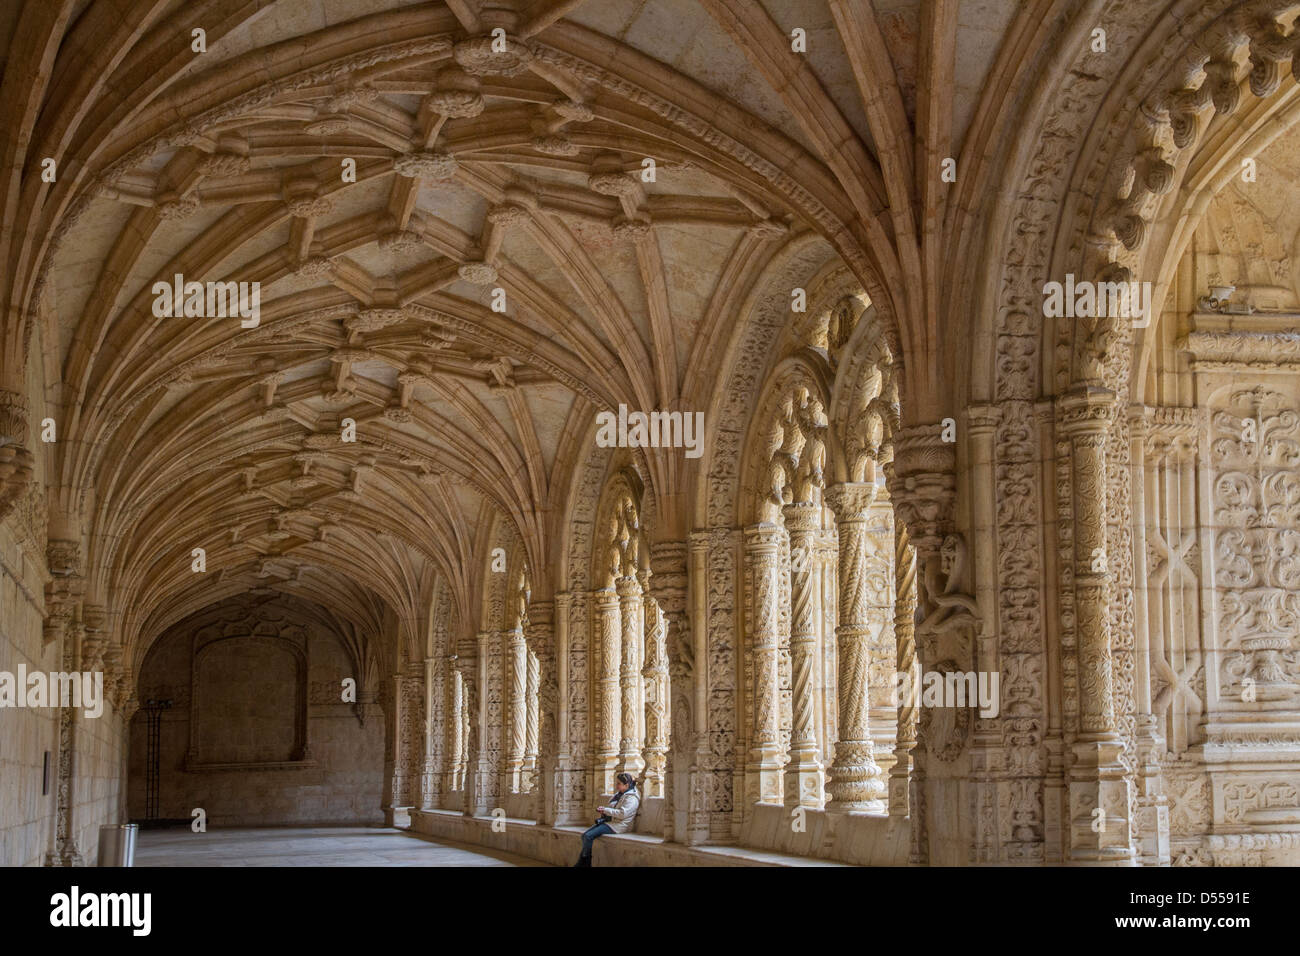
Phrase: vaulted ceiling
(512, 175)
(1248, 237)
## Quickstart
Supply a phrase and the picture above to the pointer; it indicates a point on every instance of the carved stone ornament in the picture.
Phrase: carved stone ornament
(225, 165)
(328, 125)
(400, 241)
(554, 144)
(177, 209)
(631, 230)
(508, 215)
(314, 206)
(478, 273)
(372, 320)
(925, 485)
(433, 167)
(315, 266)
(16, 461)
(456, 104)
(612, 183)
(490, 56)
(573, 112)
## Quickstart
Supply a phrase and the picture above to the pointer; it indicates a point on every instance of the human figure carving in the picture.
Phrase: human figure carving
(812, 425)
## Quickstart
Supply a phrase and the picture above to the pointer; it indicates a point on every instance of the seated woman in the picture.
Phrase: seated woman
(615, 818)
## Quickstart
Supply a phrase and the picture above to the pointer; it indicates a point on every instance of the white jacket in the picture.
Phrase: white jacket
(622, 811)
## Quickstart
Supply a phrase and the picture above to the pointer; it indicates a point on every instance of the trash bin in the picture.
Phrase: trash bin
(117, 844)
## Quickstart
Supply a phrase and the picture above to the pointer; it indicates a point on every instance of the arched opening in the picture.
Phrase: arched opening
(262, 726)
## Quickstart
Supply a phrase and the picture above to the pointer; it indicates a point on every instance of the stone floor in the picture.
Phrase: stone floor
(311, 846)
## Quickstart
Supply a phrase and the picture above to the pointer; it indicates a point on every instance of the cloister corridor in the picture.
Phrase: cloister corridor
(872, 426)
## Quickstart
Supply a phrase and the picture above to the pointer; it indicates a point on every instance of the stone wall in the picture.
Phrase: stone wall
(242, 743)
(26, 815)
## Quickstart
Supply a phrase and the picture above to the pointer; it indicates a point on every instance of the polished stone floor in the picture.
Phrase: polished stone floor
(311, 846)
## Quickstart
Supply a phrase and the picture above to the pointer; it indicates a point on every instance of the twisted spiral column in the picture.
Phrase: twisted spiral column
(763, 781)
(905, 636)
(629, 601)
(855, 779)
(529, 773)
(455, 728)
(609, 640)
(517, 662)
(804, 774)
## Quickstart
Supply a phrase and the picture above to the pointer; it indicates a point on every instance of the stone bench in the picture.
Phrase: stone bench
(561, 845)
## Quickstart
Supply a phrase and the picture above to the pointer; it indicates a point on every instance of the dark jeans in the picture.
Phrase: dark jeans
(589, 837)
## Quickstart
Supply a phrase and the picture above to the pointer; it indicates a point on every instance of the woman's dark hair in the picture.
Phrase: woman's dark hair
(628, 779)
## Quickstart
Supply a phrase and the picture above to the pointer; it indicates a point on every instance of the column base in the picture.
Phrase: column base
(1099, 803)
(764, 778)
(899, 789)
(805, 782)
(68, 856)
(605, 771)
(856, 784)
(632, 763)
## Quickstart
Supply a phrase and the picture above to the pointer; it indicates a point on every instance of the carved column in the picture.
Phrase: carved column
(923, 488)
(763, 775)
(1097, 778)
(669, 584)
(543, 698)
(116, 678)
(64, 589)
(608, 627)
(431, 765)
(468, 717)
(392, 752)
(517, 722)
(905, 636)
(65, 841)
(629, 600)
(94, 641)
(473, 776)
(485, 784)
(804, 774)
(708, 811)
(563, 778)
(16, 461)
(988, 759)
(1153, 804)
(455, 727)
(828, 550)
(529, 775)
(654, 678)
(883, 709)
(855, 779)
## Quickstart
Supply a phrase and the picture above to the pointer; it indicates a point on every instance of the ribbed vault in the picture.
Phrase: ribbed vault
(386, 178)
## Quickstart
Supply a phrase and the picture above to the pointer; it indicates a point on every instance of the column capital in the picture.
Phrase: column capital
(668, 582)
(1085, 410)
(924, 485)
(704, 540)
(983, 417)
(762, 537)
(541, 614)
(1045, 411)
(850, 499)
(802, 517)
